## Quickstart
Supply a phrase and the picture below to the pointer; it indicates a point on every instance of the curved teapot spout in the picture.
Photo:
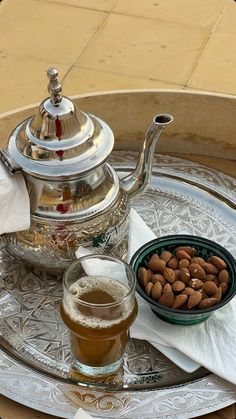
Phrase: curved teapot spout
(138, 180)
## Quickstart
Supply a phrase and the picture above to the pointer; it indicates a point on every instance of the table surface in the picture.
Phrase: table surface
(12, 410)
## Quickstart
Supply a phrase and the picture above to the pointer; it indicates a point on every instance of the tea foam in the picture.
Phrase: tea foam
(92, 283)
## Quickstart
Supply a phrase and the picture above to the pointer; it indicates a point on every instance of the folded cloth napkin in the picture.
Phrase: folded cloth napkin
(136, 237)
(81, 414)
(211, 343)
(15, 206)
(139, 234)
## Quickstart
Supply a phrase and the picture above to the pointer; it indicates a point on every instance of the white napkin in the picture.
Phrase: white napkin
(211, 343)
(98, 267)
(139, 234)
(81, 414)
(14, 202)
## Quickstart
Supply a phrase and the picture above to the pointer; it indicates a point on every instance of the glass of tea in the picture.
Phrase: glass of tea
(98, 307)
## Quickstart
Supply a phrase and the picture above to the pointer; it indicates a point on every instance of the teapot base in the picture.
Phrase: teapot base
(49, 257)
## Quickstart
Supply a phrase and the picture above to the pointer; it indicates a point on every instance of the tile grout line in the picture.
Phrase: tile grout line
(120, 13)
(107, 14)
(206, 42)
(58, 3)
(201, 89)
(84, 67)
(178, 85)
(100, 25)
(175, 22)
(112, 7)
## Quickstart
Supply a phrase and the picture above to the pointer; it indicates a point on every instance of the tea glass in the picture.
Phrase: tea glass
(98, 307)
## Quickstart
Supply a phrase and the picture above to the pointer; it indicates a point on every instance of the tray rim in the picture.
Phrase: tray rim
(220, 385)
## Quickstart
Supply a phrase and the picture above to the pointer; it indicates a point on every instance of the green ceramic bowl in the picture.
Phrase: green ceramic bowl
(205, 248)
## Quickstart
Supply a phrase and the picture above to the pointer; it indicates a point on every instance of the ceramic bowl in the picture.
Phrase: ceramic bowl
(205, 248)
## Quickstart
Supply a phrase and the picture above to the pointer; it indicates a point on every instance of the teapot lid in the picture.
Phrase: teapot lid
(60, 140)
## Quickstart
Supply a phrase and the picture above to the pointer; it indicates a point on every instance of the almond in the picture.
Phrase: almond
(224, 287)
(169, 275)
(155, 255)
(209, 287)
(150, 274)
(179, 300)
(184, 275)
(167, 288)
(156, 264)
(178, 286)
(188, 249)
(173, 263)
(207, 302)
(218, 262)
(215, 280)
(197, 271)
(223, 276)
(183, 263)
(204, 295)
(218, 294)
(188, 291)
(176, 274)
(148, 288)
(194, 299)
(209, 268)
(210, 277)
(195, 283)
(200, 261)
(182, 254)
(156, 291)
(167, 299)
(143, 276)
(166, 256)
(158, 278)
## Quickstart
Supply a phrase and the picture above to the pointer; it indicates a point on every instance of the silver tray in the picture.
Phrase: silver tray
(183, 197)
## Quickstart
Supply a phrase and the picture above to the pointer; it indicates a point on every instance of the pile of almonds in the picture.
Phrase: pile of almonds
(183, 280)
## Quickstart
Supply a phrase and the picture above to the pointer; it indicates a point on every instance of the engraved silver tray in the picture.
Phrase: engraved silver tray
(183, 197)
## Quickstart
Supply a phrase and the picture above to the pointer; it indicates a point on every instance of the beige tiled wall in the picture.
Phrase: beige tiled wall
(102, 45)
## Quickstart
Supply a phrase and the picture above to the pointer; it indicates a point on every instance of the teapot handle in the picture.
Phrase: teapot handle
(8, 162)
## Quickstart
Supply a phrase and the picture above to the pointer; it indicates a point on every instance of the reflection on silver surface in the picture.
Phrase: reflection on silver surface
(36, 341)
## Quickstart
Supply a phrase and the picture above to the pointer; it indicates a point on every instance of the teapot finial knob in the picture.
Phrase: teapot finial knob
(54, 87)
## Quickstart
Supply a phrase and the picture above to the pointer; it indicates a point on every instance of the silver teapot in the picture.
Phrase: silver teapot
(76, 197)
